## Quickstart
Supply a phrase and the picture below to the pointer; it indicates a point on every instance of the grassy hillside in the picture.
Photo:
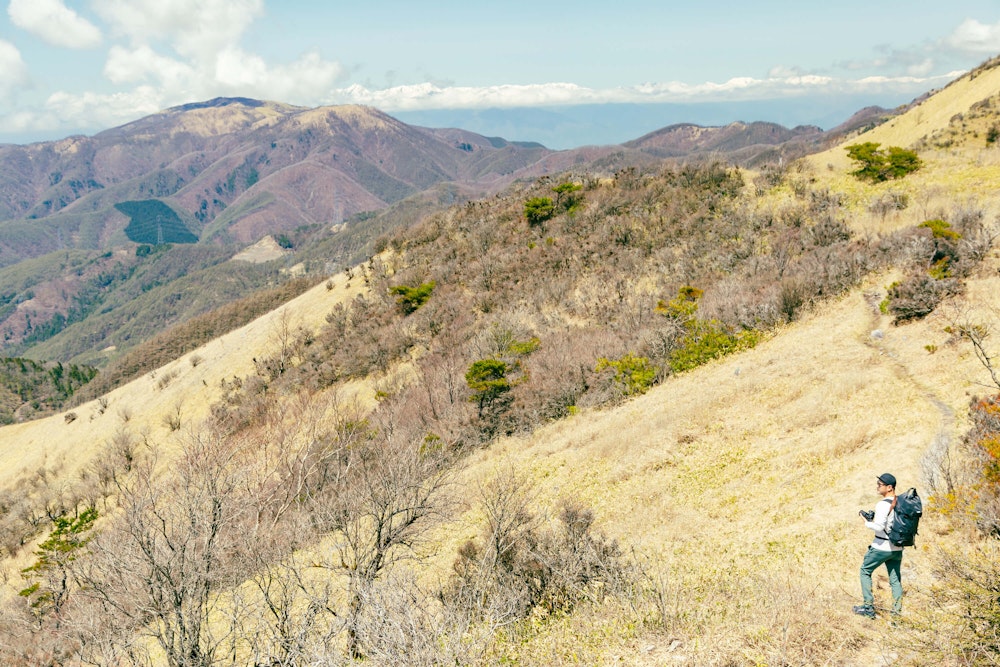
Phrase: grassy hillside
(29, 389)
(635, 430)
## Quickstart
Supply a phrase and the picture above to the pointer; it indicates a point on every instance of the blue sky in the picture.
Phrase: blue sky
(70, 66)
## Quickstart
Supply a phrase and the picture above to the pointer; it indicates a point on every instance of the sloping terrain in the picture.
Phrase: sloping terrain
(732, 483)
(744, 143)
(223, 174)
(950, 132)
(238, 155)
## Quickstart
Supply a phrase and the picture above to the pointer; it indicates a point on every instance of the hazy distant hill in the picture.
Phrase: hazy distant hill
(226, 173)
(747, 143)
(565, 127)
(234, 170)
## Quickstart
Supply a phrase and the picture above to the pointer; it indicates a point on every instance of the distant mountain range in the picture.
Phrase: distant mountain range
(215, 177)
(567, 127)
(233, 170)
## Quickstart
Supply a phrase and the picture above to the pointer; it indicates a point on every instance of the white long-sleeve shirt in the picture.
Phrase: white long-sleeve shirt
(879, 524)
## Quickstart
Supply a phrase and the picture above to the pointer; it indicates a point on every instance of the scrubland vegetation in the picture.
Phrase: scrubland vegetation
(486, 498)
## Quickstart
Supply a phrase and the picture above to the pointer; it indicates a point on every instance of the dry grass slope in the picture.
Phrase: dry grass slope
(742, 481)
(967, 170)
(184, 386)
(737, 483)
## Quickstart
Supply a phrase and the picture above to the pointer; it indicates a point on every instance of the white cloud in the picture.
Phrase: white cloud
(143, 64)
(54, 22)
(160, 82)
(195, 28)
(301, 81)
(103, 110)
(922, 68)
(13, 72)
(429, 96)
(206, 59)
(974, 37)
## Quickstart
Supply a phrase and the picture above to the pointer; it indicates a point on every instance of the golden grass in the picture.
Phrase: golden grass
(180, 385)
(738, 483)
(950, 177)
(742, 480)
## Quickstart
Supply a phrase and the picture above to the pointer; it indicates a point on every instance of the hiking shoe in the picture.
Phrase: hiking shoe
(866, 610)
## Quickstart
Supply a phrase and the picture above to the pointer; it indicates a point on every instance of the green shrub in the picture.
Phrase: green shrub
(411, 298)
(941, 229)
(682, 307)
(565, 199)
(633, 374)
(49, 590)
(702, 340)
(876, 164)
(538, 209)
(707, 340)
(487, 378)
(523, 348)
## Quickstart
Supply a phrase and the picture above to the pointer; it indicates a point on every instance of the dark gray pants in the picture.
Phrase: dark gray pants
(893, 560)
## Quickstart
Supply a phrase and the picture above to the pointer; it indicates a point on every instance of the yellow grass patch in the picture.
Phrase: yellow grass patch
(184, 389)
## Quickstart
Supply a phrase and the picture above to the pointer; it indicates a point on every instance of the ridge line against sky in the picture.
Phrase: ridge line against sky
(79, 67)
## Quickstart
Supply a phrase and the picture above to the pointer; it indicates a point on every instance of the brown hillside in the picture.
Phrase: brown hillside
(217, 161)
(517, 353)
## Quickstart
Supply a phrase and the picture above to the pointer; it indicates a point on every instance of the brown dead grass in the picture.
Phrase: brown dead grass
(143, 404)
(740, 482)
(737, 484)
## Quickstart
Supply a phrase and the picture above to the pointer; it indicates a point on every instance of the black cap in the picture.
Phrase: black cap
(887, 479)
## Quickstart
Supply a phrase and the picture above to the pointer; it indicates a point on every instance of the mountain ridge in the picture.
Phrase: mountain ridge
(228, 172)
(528, 357)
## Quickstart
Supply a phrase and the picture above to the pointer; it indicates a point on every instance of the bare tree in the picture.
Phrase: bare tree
(977, 335)
(379, 510)
(157, 567)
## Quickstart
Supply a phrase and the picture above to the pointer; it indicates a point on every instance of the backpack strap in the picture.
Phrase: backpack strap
(888, 517)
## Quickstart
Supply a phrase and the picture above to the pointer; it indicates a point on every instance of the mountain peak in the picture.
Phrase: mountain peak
(219, 102)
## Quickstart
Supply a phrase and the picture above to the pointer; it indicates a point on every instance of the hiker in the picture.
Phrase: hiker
(881, 549)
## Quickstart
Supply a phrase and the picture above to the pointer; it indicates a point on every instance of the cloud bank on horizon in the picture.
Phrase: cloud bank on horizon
(84, 66)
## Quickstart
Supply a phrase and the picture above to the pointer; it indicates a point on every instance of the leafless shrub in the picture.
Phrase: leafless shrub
(405, 625)
(978, 236)
(918, 295)
(958, 621)
(519, 565)
(26, 507)
(164, 380)
(888, 202)
(829, 230)
(172, 420)
(155, 567)
(111, 467)
(388, 495)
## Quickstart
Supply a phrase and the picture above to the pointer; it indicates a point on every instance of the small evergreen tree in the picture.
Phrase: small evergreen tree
(487, 378)
(50, 573)
(411, 298)
(538, 209)
(876, 164)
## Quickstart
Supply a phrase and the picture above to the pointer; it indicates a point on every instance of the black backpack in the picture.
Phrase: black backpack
(905, 517)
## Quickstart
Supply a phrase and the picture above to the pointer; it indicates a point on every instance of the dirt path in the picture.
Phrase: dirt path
(935, 464)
